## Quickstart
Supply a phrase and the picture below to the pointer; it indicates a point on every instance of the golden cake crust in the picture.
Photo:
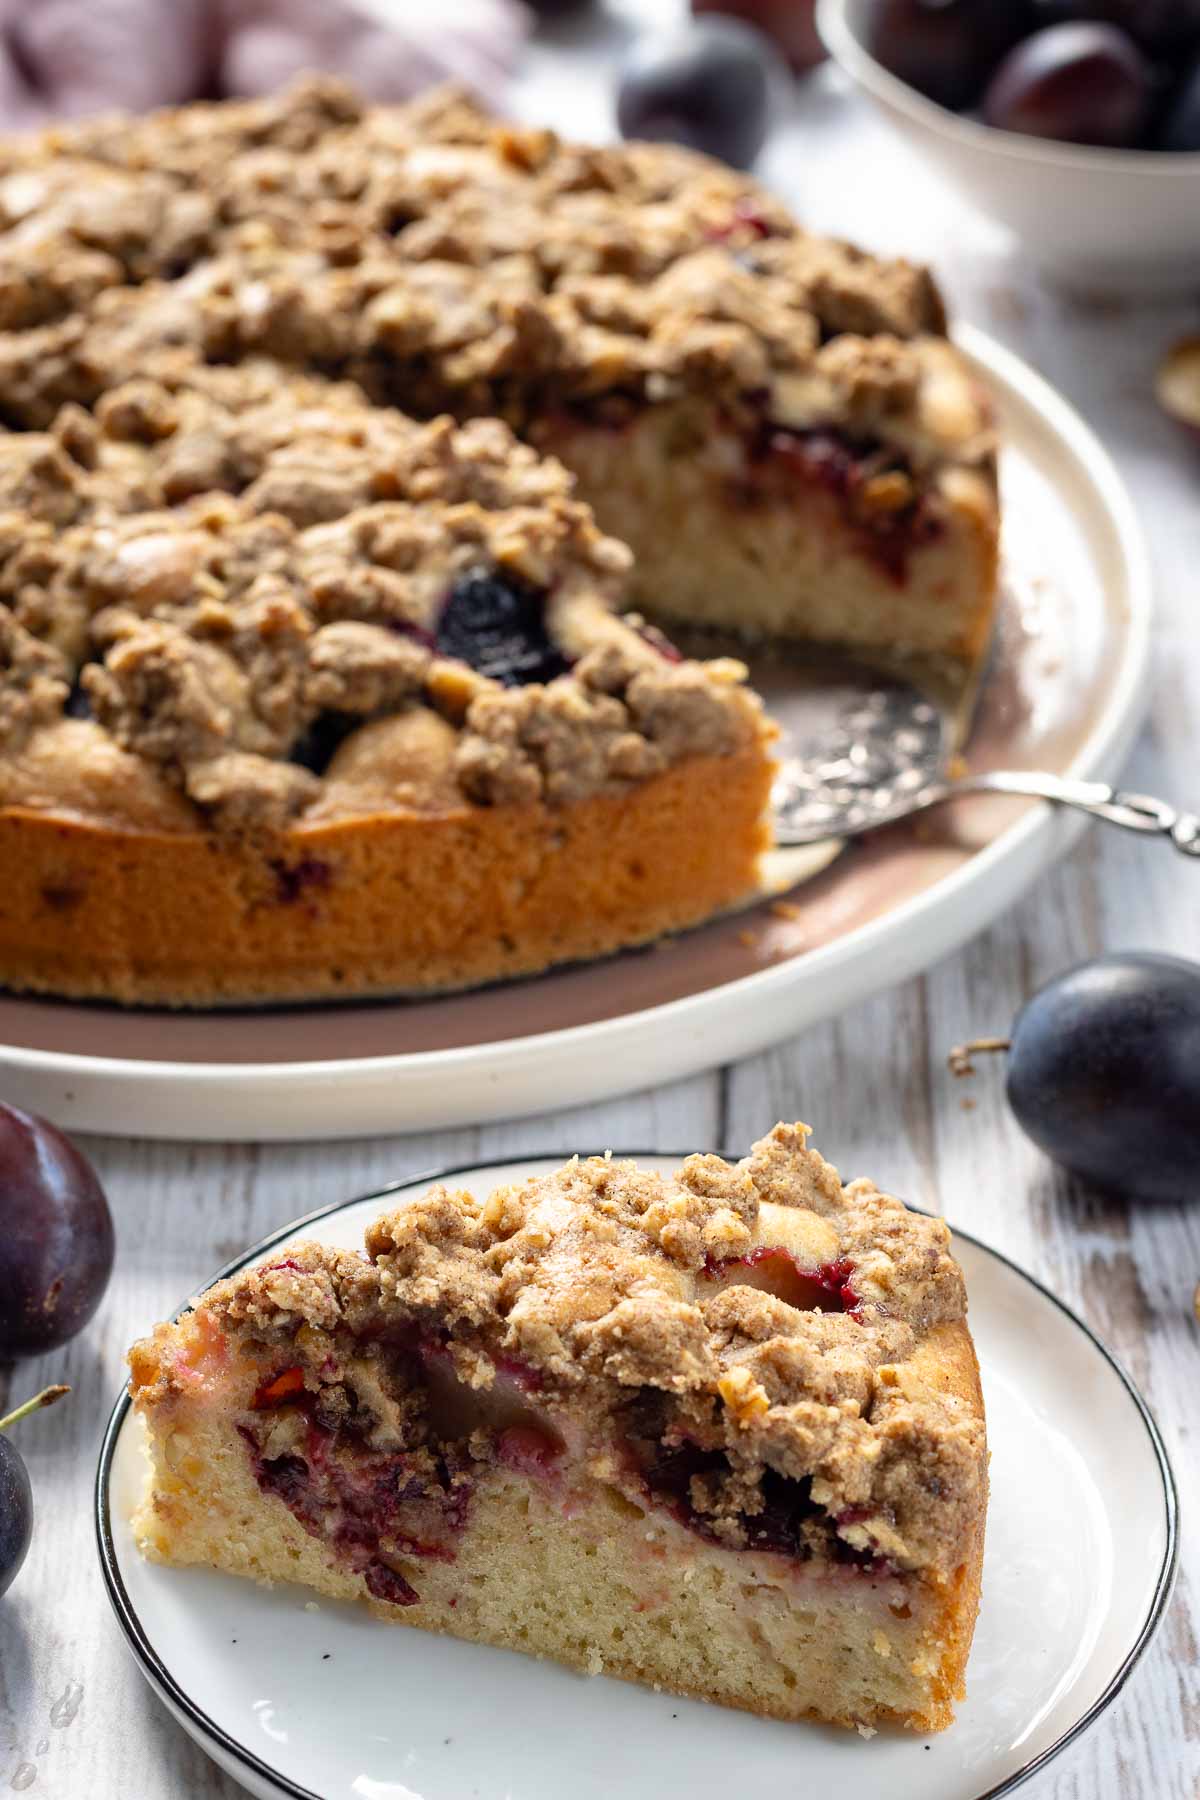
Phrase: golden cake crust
(399, 901)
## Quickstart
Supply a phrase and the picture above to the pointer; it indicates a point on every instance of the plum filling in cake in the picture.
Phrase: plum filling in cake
(786, 1522)
(320, 742)
(889, 512)
(849, 533)
(736, 1508)
(295, 881)
(498, 626)
(375, 1507)
(319, 1450)
(381, 1459)
(492, 622)
(891, 516)
(658, 640)
(777, 1271)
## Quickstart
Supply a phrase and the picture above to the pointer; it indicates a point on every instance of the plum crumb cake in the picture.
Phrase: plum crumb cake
(304, 698)
(302, 644)
(718, 1430)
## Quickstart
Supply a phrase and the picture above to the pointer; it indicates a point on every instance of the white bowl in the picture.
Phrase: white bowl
(1116, 220)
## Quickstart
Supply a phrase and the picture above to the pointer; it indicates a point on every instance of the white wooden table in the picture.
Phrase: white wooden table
(77, 1720)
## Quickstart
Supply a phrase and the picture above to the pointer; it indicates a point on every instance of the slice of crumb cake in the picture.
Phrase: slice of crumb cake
(718, 1430)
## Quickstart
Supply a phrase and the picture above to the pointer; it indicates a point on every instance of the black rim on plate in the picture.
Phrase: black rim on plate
(180, 1703)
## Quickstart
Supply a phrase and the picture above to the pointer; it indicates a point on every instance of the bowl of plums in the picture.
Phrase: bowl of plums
(1075, 123)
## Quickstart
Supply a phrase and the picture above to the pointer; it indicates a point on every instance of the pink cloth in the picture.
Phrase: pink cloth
(66, 58)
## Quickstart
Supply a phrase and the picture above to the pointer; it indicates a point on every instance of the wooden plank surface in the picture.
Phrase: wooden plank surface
(75, 1717)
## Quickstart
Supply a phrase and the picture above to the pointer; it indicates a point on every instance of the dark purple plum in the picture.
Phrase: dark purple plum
(1078, 84)
(16, 1495)
(56, 1237)
(498, 626)
(1157, 25)
(1104, 1074)
(706, 85)
(16, 1513)
(1179, 128)
(946, 49)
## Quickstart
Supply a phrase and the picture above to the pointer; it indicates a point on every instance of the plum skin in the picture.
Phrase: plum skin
(16, 1512)
(945, 49)
(56, 1237)
(705, 85)
(1081, 84)
(1104, 1074)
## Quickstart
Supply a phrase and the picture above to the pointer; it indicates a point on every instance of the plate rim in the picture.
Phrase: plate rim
(1030, 836)
(198, 1723)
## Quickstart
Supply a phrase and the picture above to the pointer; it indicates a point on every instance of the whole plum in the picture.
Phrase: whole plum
(706, 85)
(1104, 1073)
(1079, 84)
(946, 49)
(16, 1512)
(16, 1493)
(56, 1237)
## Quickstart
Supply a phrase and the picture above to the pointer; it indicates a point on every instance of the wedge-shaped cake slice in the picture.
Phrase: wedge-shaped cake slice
(718, 1430)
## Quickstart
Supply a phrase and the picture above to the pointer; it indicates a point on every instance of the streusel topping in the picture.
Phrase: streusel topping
(623, 1297)
(217, 563)
(446, 261)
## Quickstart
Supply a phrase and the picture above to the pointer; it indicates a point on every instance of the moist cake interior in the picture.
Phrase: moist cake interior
(784, 536)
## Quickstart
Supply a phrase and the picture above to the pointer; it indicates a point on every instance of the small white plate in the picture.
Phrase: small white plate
(1064, 692)
(326, 1703)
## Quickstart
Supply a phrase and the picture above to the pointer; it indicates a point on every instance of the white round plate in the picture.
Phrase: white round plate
(1064, 692)
(326, 1703)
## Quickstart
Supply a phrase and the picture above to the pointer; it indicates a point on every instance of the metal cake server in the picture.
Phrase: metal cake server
(885, 754)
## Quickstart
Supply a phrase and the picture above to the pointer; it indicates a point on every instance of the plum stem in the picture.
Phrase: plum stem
(959, 1060)
(47, 1397)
